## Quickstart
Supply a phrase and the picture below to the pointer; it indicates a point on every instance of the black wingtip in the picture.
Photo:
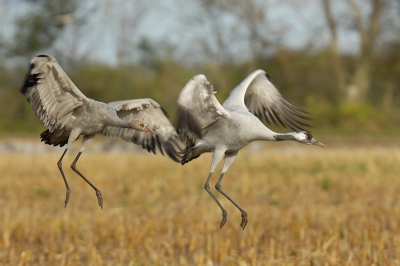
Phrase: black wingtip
(172, 155)
(30, 80)
(164, 112)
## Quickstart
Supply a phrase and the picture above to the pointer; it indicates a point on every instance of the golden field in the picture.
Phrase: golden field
(306, 206)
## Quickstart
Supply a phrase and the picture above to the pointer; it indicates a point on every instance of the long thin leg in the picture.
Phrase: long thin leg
(85, 143)
(224, 213)
(98, 192)
(72, 137)
(59, 164)
(229, 158)
(217, 156)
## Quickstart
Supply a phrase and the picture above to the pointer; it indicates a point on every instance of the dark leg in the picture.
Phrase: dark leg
(59, 163)
(228, 160)
(98, 192)
(219, 189)
(224, 213)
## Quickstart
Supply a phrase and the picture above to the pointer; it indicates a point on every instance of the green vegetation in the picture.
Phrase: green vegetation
(109, 83)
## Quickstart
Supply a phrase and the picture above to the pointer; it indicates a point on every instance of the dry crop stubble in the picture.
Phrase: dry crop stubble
(306, 206)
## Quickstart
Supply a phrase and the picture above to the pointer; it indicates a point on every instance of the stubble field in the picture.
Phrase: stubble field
(306, 206)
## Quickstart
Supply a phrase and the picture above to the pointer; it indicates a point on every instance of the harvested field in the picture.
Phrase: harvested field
(306, 206)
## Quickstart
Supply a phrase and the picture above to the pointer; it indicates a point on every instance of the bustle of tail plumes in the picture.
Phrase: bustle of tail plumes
(49, 138)
(191, 152)
(189, 131)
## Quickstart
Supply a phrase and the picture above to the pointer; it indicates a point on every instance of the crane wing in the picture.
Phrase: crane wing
(51, 93)
(262, 98)
(150, 112)
(198, 108)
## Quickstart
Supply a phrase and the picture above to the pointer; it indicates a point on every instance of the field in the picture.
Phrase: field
(306, 206)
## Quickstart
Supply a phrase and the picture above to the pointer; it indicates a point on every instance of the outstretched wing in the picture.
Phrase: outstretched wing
(150, 112)
(51, 93)
(262, 98)
(198, 108)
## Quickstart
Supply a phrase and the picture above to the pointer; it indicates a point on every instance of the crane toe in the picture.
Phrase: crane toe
(224, 218)
(99, 198)
(244, 220)
(67, 197)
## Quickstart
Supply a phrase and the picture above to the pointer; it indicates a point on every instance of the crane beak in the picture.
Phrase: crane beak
(316, 142)
(146, 129)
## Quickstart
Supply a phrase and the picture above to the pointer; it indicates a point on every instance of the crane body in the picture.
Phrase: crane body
(67, 114)
(207, 126)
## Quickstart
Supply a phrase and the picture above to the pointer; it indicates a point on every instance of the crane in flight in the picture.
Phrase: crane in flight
(67, 114)
(207, 126)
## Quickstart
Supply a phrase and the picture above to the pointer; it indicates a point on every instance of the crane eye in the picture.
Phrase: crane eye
(141, 125)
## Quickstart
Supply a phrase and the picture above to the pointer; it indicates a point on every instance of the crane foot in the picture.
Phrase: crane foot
(224, 218)
(99, 198)
(67, 197)
(244, 220)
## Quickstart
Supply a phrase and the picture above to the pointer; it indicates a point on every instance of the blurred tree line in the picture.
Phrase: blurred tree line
(347, 74)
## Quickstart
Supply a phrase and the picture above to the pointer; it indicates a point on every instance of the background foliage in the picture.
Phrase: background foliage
(345, 71)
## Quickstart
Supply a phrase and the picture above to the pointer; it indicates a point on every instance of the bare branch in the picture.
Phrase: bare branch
(358, 15)
(334, 45)
(374, 27)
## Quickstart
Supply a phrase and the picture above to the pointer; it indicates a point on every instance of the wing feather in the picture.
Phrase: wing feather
(257, 94)
(50, 92)
(198, 108)
(151, 113)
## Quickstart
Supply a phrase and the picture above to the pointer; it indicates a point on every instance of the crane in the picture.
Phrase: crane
(67, 114)
(204, 125)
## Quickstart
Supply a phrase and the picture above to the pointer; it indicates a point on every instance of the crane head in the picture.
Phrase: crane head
(141, 126)
(305, 137)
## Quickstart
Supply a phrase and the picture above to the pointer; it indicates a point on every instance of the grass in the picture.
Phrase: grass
(306, 206)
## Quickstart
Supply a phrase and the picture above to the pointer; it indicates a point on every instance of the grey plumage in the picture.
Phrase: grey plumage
(67, 113)
(205, 125)
(166, 138)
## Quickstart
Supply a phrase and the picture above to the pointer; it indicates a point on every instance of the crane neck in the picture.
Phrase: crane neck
(285, 136)
(270, 135)
(118, 123)
(108, 115)
(266, 134)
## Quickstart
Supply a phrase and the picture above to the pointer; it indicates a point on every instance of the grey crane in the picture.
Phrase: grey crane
(68, 113)
(206, 126)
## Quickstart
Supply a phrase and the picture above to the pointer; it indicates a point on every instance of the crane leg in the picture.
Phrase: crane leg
(229, 158)
(85, 143)
(59, 164)
(217, 156)
(224, 213)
